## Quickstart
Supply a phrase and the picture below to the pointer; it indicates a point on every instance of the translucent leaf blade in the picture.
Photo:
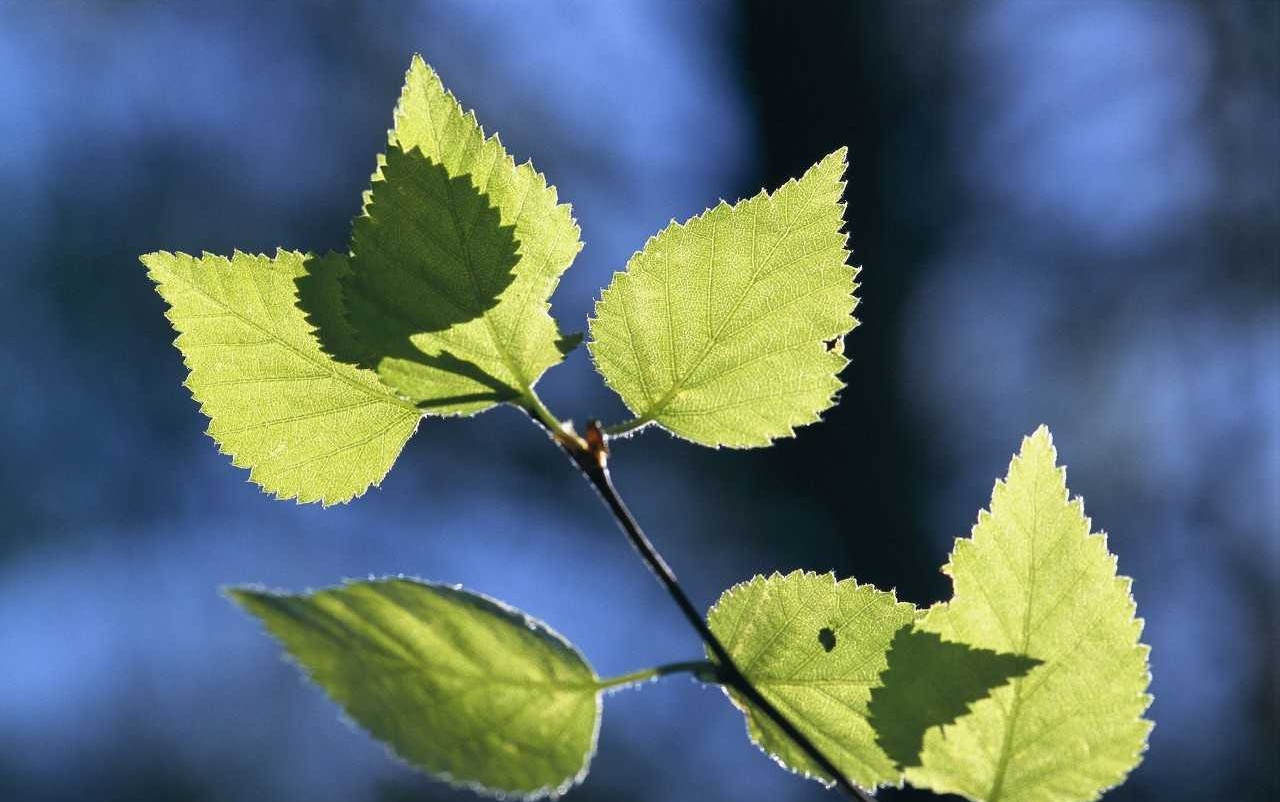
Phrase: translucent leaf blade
(1032, 580)
(306, 426)
(457, 684)
(454, 260)
(727, 329)
(930, 682)
(815, 648)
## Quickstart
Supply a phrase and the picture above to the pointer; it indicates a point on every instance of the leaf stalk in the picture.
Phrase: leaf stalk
(699, 668)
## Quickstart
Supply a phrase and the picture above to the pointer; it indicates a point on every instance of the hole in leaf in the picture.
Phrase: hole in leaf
(827, 637)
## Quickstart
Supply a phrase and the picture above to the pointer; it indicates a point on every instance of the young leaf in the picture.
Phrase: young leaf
(308, 427)
(1032, 580)
(815, 648)
(727, 329)
(454, 260)
(456, 683)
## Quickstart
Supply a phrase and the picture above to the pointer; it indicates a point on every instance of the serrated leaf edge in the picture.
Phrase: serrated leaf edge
(744, 708)
(647, 419)
(297, 498)
(1042, 433)
(231, 592)
(526, 384)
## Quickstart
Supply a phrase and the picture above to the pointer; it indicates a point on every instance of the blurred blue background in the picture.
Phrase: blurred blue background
(1067, 213)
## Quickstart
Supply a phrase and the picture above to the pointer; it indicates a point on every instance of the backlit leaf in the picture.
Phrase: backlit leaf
(459, 685)
(454, 259)
(728, 329)
(308, 427)
(815, 648)
(1032, 580)
(930, 682)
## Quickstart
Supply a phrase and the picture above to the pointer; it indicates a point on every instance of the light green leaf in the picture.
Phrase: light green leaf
(728, 329)
(454, 260)
(1033, 581)
(456, 683)
(308, 427)
(930, 682)
(815, 648)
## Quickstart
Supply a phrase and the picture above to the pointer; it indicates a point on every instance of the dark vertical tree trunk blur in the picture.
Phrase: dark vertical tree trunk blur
(823, 79)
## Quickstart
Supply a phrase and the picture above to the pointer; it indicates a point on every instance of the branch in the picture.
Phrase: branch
(590, 454)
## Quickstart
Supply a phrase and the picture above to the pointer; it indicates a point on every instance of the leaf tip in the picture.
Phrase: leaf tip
(1041, 438)
(246, 597)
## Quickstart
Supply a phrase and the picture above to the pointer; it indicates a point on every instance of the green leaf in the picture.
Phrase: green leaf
(728, 329)
(458, 684)
(930, 682)
(308, 427)
(1032, 580)
(454, 259)
(815, 648)
(320, 299)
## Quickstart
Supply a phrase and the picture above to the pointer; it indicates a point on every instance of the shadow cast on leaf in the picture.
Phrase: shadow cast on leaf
(429, 254)
(497, 391)
(930, 682)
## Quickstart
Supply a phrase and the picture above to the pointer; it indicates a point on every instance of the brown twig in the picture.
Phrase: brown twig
(591, 454)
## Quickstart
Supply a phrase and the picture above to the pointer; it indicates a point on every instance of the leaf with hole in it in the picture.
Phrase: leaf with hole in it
(462, 686)
(815, 648)
(1032, 580)
(454, 260)
(308, 427)
(728, 329)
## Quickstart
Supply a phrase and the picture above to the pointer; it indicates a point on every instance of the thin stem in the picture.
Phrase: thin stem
(562, 434)
(591, 457)
(703, 667)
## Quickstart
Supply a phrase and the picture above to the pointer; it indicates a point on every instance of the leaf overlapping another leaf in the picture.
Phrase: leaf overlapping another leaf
(773, 629)
(458, 684)
(727, 329)
(454, 259)
(1029, 685)
(1032, 580)
(308, 427)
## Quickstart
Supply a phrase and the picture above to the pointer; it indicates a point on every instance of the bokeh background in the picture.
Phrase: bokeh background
(1067, 212)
